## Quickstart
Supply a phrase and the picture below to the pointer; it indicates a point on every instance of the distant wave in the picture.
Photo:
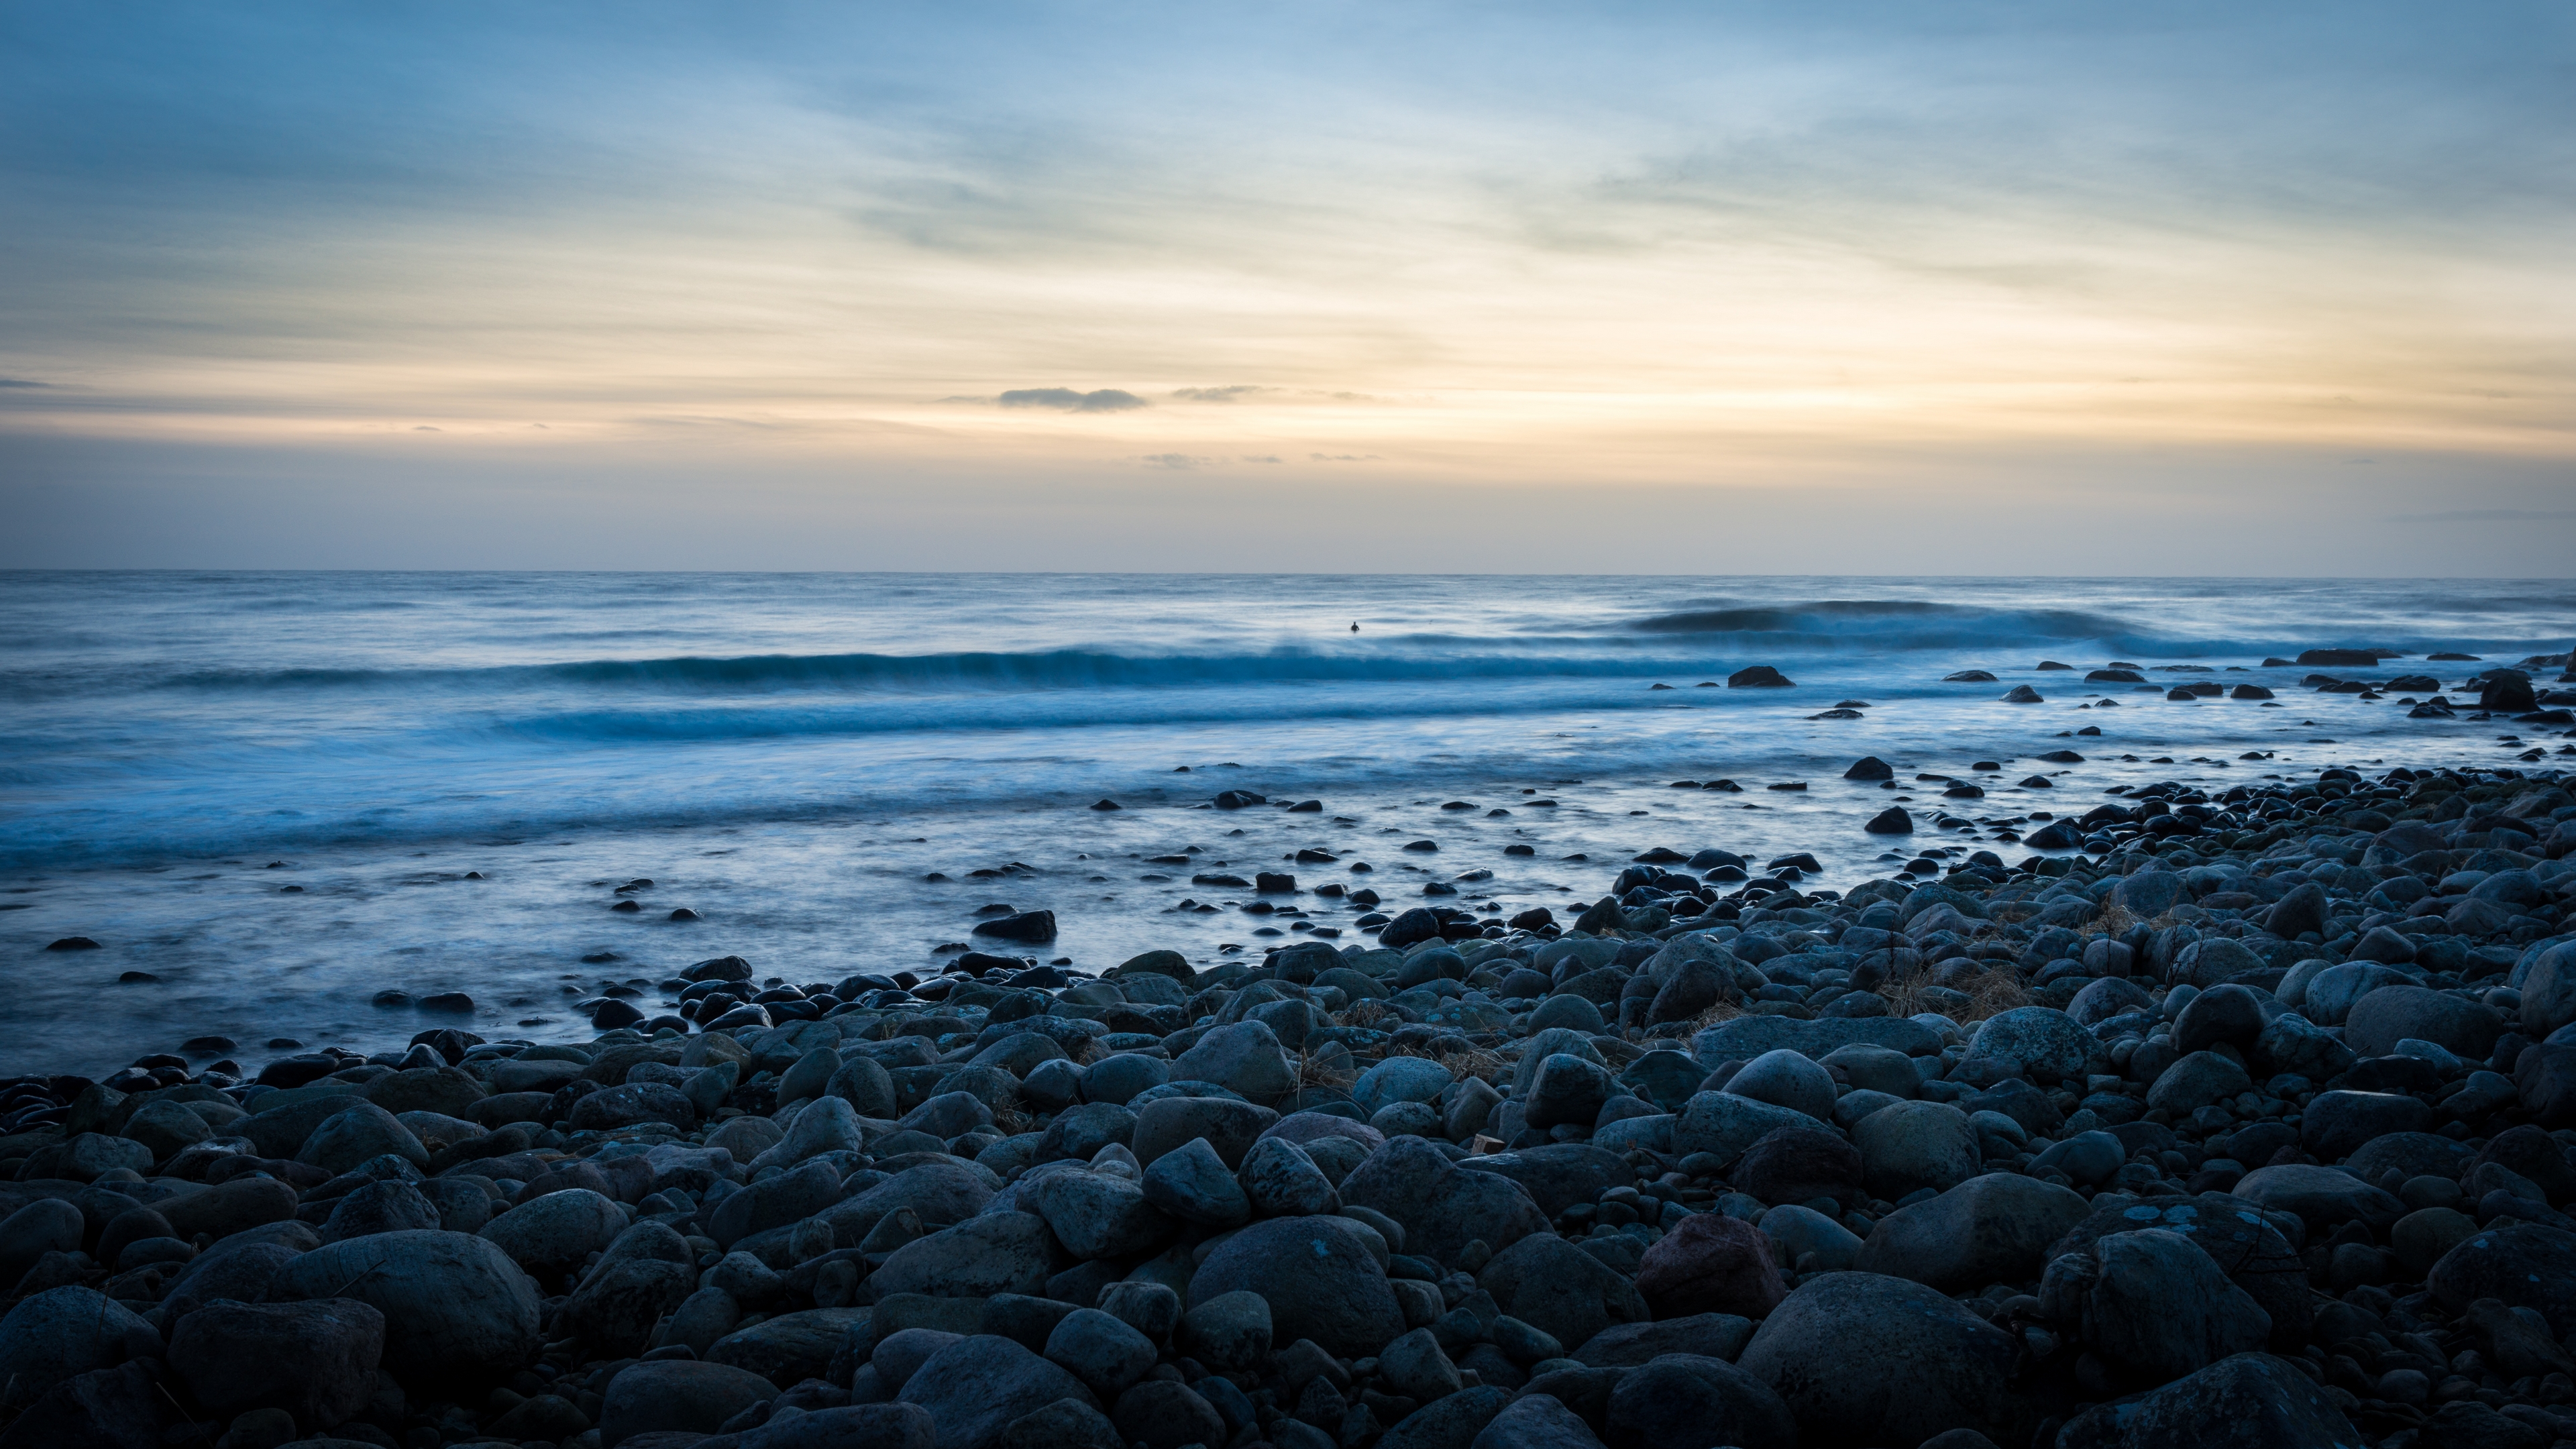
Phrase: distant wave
(1887, 624)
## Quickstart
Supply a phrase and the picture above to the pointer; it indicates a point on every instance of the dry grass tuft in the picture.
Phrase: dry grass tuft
(2114, 920)
(1722, 1010)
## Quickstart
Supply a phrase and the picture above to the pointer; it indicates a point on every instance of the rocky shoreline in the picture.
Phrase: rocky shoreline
(2249, 1125)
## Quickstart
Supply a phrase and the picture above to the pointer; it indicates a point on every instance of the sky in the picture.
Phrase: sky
(2063, 288)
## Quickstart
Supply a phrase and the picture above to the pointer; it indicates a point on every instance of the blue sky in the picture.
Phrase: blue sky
(1966, 288)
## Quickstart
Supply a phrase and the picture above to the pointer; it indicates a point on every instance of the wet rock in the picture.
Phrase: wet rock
(1758, 676)
(1864, 1359)
(317, 1360)
(1997, 1228)
(1711, 1263)
(1318, 1278)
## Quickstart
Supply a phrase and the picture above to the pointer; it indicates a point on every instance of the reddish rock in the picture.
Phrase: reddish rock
(1712, 1263)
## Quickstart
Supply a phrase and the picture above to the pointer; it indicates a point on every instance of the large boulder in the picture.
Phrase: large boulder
(1723, 1124)
(1689, 1401)
(1440, 1206)
(2525, 1265)
(1002, 1252)
(113, 1408)
(1906, 1146)
(1864, 1359)
(2152, 1306)
(456, 1308)
(791, 1347)
(1561, 1290)
(551, 1235)
(2036, 1042)
(315, 1360)
(2337, 1124)
(1244, 1058)
(359, 1132)
(1319, 1278)
(1229, 1126)
(1800, 1164)
(2390, 1014)
(976, 1386)
(62, 1333)
(677, 1397)
(2250, 1401)
(939, 1193)
(1788, 1079)
(1711, 1263)
(2245, 1246)
(1558, 1175)
(1991, 1229)
(1097, 1215)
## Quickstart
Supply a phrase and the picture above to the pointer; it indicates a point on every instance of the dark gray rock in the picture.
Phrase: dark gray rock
(977, 1386)
(1318, 1277)
(2388, 1015)
(1536, 1421)
(2250, 1401)
(554, 1234)
(1064, 1424)
(1193, 1184)
(1709, 1335)
(1097, 1215)
(1685, 1401)
(1440, 1206)
(2337, 1124)
(676, 1396)
(2250, 1251)
(848, 1426)
(791, 1347)
(1003, 1252)
(2152, 1305)
(1561, 1290)
(1108, 1355)
(1865, 1359)
(1161, 1414)
(2524, 1265)
(316, 1360)
(455, 1307)
(1230, 1127)
(1907, 1146)
(1558, 1175)
(1450, 1423)
(62, 1333)
(1996, 1228)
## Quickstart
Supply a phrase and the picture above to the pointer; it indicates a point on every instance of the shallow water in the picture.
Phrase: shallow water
(790, 756)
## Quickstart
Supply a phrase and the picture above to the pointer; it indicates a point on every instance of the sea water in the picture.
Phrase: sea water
(282, 794)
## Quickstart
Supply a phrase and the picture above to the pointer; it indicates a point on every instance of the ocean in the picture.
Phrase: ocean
(282, 795)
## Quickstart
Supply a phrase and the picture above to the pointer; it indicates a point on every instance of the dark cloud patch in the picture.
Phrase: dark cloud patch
(1344, 457)
(1260, 458)
(1175, 460)
(1065, 399)
(2486, 515)
(426, 428)
(21, 382)
(1235, 393)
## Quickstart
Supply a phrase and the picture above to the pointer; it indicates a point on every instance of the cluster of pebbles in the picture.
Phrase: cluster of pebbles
(2249, 1125)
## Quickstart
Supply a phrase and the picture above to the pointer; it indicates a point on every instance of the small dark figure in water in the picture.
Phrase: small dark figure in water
(1355, 628)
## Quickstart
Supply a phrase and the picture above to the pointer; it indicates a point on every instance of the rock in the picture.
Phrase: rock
(848, 1426)
(1710, 1335)
(2523, 1265)
(2196, 1081)
(976, 1386)
(2390, 1014)
(1687, 1401)
(166, 1128)
(1803, 1231)
(1003, 1252)
(357, 1133)
(2213, 962)
(1320, 1281)
(1105, 1353)
(1399, 1079)
(827, 1124)
(62, 1333)
(791, 1347)
(315, 1360)
(2337, 1124)
(1558, 1175)
(646, 1273)
(1161, 1414)
(1788, 1079)
(1244, 1058)
(1997, 1228)
(1567, 1088)
(2044, 1045)
(1536, 1421)
(47, 1225)
(1711, 1263)
(379, 1207)
(1745, 1037)
(1064, 1424)
(115, 1408)
(1440, 1206)
(676, 1396)
(2323, 1197)
(455, 1307)
(1096, 1215)
(1230, 1127)
(1906, 1146)
(1229, 1331)
(553, 1234)
(1561, 1290)
(2250, 1401)
(1194, 1185)
(1758, 676)
(938, 1193)
(1450, 1423)
(1800, 1164)
(1724, 1125)
(1865, 1359)
(2152, 1305)
(1282, 1181)
(2228, 1015)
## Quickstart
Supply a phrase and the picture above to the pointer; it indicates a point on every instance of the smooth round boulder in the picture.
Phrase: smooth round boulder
(1320, 1281)
(1991, 1229)
(47, 1225)
(1800, 1164)
(1788, 1079)
(1244, 1058)
(977, 1385)
(62, 1333)
(1229, 1126)
(391, 1206)
(2525, 1265)
(1689, 1401)
(315, 1360)
(1711, 1263)
(355, 1134)
(551, 1235)
(2152, 1306)
(2038, 1042)
(2390, 1014)
(1864, 1359)
(1559, 1289)
(2337, 1124)
(1908, 1146)
(677, 1396)
(456, 1308)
